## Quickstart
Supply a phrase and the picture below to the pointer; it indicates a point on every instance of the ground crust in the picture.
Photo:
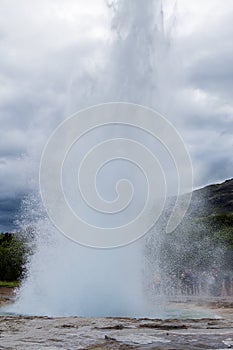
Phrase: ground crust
(18, 332)
(212, 332)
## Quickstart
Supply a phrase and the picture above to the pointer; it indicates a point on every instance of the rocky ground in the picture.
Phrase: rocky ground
(214, 332)
(114, 333)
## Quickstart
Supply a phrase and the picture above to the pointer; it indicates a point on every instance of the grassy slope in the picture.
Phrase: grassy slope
(216, 209)
(8, 284)
(204, 239)
(218, 200)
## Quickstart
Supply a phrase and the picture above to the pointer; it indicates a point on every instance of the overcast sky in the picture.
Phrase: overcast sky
(58, 56)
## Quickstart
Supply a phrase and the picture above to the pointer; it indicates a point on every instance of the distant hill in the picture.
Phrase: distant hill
(9, 207)
(204, 239)
(212, 206)
(216, 199)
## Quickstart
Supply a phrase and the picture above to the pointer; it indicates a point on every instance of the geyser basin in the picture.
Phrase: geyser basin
(171, 311)
(68, 279)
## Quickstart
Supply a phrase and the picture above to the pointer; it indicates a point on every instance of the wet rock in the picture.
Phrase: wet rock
(163, 326)
(117, 326)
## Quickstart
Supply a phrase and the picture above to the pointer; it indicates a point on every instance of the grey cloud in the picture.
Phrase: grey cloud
(38, 58)
(215, 74)
(51, 66)
(208, 56)
(214, 169)
(9, 207)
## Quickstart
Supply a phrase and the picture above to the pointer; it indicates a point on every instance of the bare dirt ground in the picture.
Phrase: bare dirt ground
(6, 295)
(37, 333)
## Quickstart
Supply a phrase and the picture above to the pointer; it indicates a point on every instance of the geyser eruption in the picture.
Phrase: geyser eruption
(64, 278)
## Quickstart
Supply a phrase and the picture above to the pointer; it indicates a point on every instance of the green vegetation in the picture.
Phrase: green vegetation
(204, 239)
(9, 284)
(200, 244)
(12, 258)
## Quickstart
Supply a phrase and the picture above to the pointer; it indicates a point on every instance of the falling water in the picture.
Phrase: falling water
(64, 278)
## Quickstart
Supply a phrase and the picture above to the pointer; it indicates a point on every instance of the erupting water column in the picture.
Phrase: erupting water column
(64, 278)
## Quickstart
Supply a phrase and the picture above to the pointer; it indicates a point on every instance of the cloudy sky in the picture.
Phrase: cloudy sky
(59, 56)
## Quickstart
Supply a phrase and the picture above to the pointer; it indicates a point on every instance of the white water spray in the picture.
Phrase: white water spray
(64, 278)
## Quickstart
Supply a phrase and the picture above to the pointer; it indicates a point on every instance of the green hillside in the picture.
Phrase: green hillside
(203, 240)
(216, 211)
(216, 199)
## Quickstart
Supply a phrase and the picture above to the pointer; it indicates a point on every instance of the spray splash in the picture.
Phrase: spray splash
(64, 278)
